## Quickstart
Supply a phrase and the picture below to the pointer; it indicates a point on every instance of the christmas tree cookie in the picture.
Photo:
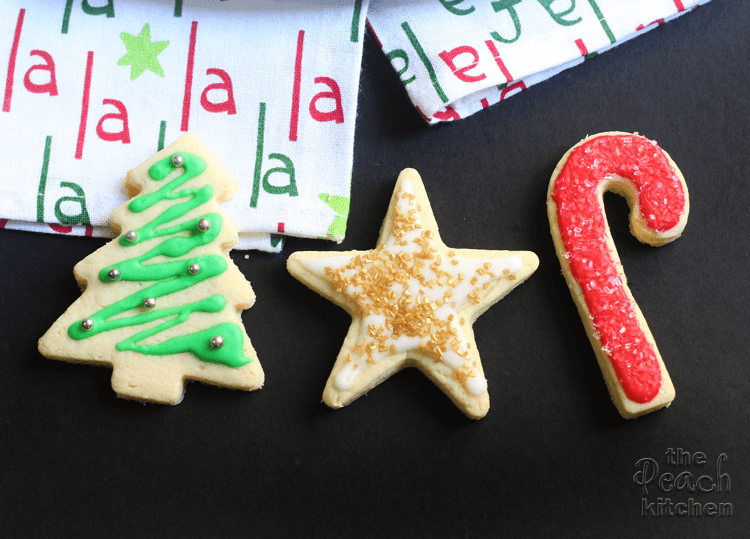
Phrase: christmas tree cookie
(162, 303)
(413, 302)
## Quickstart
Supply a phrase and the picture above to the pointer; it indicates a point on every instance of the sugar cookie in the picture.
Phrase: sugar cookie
(646, 176)
(413, 302)
(161, 303)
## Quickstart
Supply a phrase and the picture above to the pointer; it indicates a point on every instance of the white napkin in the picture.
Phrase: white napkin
(93, 88)
(456, 57)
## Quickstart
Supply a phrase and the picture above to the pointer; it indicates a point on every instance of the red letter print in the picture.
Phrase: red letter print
(48, 87)
(447, 115)
(226, 85)
(85, 105)
(121, 115)
(336, 114)
(12, 61)
(449, 57)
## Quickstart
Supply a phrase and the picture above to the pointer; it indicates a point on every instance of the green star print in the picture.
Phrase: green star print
(142, 54)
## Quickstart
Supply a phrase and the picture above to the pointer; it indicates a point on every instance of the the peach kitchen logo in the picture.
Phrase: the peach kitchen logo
(684, 484)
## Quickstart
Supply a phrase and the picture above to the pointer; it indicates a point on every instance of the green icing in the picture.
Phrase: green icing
(171, 276)
(199, 345)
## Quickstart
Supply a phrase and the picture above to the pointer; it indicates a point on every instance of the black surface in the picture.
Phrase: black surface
(552, 458)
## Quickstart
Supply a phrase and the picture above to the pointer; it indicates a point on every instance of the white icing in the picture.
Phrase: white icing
(477, 385)
(319, 265)
(346, 376)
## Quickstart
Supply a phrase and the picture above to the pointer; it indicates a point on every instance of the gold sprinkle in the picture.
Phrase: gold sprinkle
(474, 280)
(506, 271)
(511, 277)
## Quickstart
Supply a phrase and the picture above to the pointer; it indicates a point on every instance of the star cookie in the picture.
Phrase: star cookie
(413, 302)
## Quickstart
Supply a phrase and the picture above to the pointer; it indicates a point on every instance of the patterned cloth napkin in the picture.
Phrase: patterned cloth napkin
(456, 57)
(94, 87)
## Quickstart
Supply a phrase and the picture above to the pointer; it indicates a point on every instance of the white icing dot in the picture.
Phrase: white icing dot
(346, 377)
(452, 359)
(477, 385)
(515, 263)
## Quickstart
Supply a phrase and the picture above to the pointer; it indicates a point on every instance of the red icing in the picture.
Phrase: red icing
(583, 227)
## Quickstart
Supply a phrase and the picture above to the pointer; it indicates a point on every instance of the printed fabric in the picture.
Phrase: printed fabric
(456, 57)
(92, 88)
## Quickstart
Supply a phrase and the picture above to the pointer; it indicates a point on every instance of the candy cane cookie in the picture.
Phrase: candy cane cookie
(646, 176)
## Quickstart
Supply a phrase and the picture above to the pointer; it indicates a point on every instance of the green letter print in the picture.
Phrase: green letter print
(500, 5)
(558, 17)
(108, 9)
(401, 53)
(450, 6)
(291, 187)
(81, 218)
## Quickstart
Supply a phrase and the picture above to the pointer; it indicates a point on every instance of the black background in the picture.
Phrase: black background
(552, 457)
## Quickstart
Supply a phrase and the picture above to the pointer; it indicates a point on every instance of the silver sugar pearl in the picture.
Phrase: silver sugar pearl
(178, 160)
(131, 235)
(113, 274)
(194, 269)
(217, 342)
(87, 324)
(149, 303)
(204, 224)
